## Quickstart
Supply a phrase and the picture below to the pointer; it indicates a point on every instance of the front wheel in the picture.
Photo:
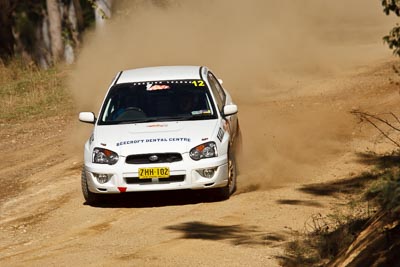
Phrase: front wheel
(225, 192)
(91, 198)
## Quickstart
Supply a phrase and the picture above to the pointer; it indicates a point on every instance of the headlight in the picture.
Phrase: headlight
(104, 156)
(206, 150)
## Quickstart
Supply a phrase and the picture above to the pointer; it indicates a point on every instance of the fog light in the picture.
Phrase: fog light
(102, 178)
(207, 173)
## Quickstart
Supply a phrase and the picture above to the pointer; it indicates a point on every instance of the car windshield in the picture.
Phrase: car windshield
(157, 101)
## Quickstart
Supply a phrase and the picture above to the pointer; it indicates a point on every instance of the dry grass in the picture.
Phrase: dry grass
(27, 92)
(386, 191)
(326, 237)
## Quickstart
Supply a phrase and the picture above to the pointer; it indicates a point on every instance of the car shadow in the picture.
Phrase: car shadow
(155, 199)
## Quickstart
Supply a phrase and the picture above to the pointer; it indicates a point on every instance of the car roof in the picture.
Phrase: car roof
(161, 73)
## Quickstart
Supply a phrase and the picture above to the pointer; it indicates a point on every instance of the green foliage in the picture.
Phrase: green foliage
(96, 6)
(391, 6)
(88, 13)
(393, 38)
(387, 191)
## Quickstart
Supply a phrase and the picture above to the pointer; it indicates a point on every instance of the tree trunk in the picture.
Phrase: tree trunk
(79, 15)
(43, 45)
(57, 49)
(6, 36)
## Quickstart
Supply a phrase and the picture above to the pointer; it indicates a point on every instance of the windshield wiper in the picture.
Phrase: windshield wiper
(137, 121)
(178, 118)
(188, 117)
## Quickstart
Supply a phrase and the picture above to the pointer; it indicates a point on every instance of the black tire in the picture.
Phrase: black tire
(224, 193)
(238, 150)
(91, 198)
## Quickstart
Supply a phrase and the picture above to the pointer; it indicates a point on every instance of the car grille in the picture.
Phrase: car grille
(161, 158)
(172, 178)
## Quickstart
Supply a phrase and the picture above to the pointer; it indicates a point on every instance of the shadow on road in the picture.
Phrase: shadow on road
(309, 203)
(354, 184)
(156, 199)
(344, 186)
(235, 234)
(380, 161)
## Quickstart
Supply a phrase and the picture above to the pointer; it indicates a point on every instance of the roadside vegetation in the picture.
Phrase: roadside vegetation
(371, 206)
(28, 92)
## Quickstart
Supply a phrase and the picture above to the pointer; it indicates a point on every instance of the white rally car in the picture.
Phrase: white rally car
(162, 128)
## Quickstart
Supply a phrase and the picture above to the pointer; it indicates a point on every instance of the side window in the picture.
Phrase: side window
(109, 108)
(217, 90)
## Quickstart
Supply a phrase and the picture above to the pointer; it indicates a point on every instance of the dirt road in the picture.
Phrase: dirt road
(44, 220)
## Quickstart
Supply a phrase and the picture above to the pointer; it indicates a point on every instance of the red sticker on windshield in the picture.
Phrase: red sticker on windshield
(158, 87)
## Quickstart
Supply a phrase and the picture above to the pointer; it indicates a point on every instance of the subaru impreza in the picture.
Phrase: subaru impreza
(162, 128)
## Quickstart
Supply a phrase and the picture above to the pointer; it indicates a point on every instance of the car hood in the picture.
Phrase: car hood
(160, 137)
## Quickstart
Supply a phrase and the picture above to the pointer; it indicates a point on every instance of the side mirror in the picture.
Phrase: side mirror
(87, 117)
(220, 81)
(230, 110)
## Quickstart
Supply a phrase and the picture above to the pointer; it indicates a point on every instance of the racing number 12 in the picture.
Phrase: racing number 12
(198, 83)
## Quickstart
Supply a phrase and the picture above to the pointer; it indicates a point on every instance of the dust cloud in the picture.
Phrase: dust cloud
(261, 49)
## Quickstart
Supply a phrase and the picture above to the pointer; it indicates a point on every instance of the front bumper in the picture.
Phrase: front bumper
(184, 175)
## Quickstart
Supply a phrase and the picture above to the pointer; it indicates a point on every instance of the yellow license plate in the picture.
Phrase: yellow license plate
(148, 173)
